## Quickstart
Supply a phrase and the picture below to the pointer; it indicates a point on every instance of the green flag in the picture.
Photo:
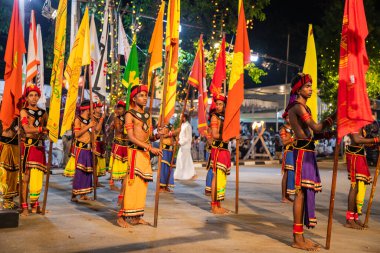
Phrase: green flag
(131, 73)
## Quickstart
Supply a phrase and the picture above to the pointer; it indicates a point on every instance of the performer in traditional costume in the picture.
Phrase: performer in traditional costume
(185, 167)
(119, 154)
(82, 182)
(33, 120)
(138, 127)
(9, 164)
(287, 138)
(359, 176)
(307, 178)
(220, 161)
(167, 167)
(100, 146)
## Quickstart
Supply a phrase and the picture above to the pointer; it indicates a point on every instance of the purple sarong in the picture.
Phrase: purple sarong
(82, 182)
(307, 178)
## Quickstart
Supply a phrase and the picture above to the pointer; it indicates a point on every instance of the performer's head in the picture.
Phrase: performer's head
(220, 103)
(139, 95)
(85, 108)
(185, 117)
(32, 94)
(120, 107)
(302, 85)
(98, 107)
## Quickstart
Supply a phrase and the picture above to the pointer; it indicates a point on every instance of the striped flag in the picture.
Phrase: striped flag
(40, 81)
(32, 60)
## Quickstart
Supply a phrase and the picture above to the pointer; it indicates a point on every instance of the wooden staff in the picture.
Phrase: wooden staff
(84, 84)
(50, 157)
(20, 162)
(94, 173)
(237, 176)
(162, 119)
(332, 196)
(177, 140)
(372, 191)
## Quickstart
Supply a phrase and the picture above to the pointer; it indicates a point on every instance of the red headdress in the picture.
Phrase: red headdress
(121, 103)
(305, 78)
(137, 90)
(32, 87)
(220, 97)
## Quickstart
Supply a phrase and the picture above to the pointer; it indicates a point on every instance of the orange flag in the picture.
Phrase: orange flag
(171, 48)
(354, 110)
(219, 73)
(197, 79)
(241, 57)
(13, 69)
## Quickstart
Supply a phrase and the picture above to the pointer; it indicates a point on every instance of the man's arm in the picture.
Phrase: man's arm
(25, 124)
(307, 119)
(78, 130)
(285, 138)
(214, 127)
(359, 139)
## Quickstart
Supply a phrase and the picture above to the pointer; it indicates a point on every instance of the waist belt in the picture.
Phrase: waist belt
(167, 147)
(289, 147)
(355, 150)
(83, 145)
(220, 144)
(134, 146)
(8, 140)
(304, 144)
(121, 142)
(33, 142)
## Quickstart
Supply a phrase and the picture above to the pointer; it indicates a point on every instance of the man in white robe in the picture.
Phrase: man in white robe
(185, 167)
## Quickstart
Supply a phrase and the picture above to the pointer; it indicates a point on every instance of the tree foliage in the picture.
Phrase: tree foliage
(328, 36)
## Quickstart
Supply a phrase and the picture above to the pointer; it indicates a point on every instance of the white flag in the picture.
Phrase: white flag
(32, 60)
(123, 46)
(40, 81)
(94, 50)
(100, 82)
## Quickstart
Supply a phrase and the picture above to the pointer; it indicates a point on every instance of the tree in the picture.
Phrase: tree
(328, 43)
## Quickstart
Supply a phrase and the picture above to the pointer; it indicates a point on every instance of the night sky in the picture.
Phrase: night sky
(267, 37)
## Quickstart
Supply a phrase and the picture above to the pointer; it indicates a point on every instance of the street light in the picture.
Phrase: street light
(48, 11)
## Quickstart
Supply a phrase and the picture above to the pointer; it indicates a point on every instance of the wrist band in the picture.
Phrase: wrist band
(376, 139)
(24, 205)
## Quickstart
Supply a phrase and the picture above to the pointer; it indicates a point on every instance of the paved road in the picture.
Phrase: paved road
(185, 223)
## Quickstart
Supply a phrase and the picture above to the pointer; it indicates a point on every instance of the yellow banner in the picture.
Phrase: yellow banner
(73, 69)
(310, 67)
(172, 47)
(57, 71)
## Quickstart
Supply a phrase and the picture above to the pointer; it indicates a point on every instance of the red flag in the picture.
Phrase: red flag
(219, 73)
(13, 69)
(197, 79)
(354, 110)
(241, 57)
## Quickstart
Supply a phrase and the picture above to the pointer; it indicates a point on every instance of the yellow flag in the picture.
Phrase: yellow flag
(172, 47)
(156, 43)
(57, 71)
(310, 67)
(77, 59)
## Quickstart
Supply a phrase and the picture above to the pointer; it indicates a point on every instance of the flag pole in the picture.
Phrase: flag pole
(237, 175)
(50, 156)
(20, 184)
(152, 93)
(84, 84)
(95, 175)
(372, 191)
(162, 122)
(332, 197)
(176, 142)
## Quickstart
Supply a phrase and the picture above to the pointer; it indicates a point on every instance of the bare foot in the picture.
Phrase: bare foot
(85, 197)
(168, 190)
(285, 200)
(361, 224)
(122, 223)
(138, 221)
(162, 190)
(310, 242)
(74, 199)
(353, 224)
(220, 210)
(24, 212)
(305, 244)
(114, 188)
(36, 209)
